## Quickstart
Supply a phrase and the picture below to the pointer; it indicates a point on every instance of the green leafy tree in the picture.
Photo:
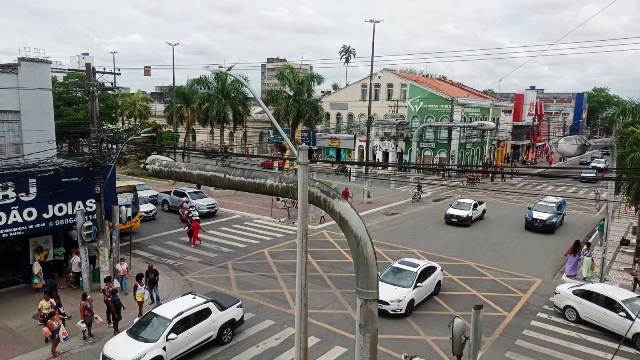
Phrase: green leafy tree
(346, 53)
(295, 104)
(489, 92)
(628, 163)
(601, 107)
(222, 102)
(335, 86)
(186, 99)
(135, 106)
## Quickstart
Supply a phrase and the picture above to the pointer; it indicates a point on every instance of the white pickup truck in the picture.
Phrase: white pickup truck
(465, 211)
(170, 200)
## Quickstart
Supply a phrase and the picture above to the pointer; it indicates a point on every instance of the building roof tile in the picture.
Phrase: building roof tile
(444, 86)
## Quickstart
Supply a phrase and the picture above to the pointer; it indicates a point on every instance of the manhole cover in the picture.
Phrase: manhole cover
(439, 199)
(389, 213)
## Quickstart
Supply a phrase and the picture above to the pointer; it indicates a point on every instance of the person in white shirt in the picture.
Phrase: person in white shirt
(122, 274)
(76, 268)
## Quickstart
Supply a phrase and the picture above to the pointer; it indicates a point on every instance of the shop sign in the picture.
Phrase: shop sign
(46, 242)
(428, 145)
(39, 201)
(333, 142)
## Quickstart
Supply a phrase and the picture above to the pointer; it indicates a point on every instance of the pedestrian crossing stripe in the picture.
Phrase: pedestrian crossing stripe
(289, 354)
(269, 343)
(221, 241)
(569, 345)
(174, 253)
(573, 334)
(210, 246)
(271, 228)
(286, 227)
(190, 249)
(244, 335)
(257, 231)
(333, 353)
(246, 233)
(234, 237)
(156, 258)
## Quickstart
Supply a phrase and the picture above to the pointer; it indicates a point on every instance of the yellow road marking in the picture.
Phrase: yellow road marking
(280, 280)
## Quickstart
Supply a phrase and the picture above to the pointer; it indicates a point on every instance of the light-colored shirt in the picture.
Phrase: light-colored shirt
(122, 269)
(45, 306)
(76, 264)
(571, 266)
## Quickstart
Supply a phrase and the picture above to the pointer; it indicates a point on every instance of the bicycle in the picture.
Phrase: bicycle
(417, 196)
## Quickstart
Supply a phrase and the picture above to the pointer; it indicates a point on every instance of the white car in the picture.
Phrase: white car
(604, 305)
(148, 211)
(599, 164)
(465, 211)
(176, 328)
(145, 192)
(406, 283)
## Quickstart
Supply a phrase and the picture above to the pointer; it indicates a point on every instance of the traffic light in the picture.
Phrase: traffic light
(88, 231)
(458, 336)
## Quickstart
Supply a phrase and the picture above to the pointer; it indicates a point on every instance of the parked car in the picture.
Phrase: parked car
(178, 327)
(407, 282)
(604, 305)
(465, 211)
(599, 164)
(170, 200)
(588, 158)
(268, 164)
(145, 192)
(148, 211)
(217, 153)
(547, 214)
(606, 151)
(589, 175)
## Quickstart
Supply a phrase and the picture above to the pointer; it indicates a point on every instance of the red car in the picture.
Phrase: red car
(268, 164)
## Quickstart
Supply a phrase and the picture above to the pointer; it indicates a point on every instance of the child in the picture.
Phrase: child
(116, 310)
(86, 311)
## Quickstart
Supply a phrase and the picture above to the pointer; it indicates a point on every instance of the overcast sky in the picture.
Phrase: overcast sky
(230, 31)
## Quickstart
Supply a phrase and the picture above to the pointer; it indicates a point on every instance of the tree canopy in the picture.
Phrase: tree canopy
(600, 100)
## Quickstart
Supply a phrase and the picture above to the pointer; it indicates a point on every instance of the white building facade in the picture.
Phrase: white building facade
(27, 129)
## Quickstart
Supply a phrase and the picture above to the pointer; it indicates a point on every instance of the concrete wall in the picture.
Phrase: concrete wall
(36, 108)
(9, 97)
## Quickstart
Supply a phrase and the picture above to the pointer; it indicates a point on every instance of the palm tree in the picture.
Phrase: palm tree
(136, 106)
(223, 101)
(347, 53)
(295, 104)
(186, 112)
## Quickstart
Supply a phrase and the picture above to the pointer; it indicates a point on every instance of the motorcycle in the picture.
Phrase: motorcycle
(417, 196)
(342, 170)
(184, 213)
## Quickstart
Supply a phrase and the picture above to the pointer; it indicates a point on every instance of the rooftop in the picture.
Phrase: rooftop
(446, 87)
(173, 307)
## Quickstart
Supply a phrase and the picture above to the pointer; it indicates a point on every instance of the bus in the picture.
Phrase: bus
(129, 205)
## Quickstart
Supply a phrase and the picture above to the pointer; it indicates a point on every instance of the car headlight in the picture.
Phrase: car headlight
(139, 357)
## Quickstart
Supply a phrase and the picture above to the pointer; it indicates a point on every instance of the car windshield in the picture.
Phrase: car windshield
(398, 277)
(149, 328)
(142, 187)
(545, 208)
(633, 304)
(459, 205)
(598, 161)
(197, 195)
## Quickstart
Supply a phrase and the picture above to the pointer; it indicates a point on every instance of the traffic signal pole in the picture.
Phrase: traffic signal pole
(84, 252)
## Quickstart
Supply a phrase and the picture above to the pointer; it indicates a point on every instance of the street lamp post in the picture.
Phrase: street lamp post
(115, 87)
(144, 134)
(369, 120)
(173, 93)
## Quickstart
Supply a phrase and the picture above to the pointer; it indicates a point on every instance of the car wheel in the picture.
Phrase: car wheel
(635, 341)
(214, 213)
(436, 289)
(165, 206)
(571, 314)
(225, 334)
(553, 229)
(409, 309)
(482, 215)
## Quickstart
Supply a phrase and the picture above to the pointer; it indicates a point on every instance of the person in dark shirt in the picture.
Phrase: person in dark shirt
(152, 277)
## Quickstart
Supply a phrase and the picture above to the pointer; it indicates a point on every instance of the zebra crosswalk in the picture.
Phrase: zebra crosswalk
(216, 242)
(575, 189)
(550, 336)
(266, 339)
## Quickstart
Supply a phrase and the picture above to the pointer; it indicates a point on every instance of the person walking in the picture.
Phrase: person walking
(116, 310)
(322, 214)
(53, 324)
(122, 274)
(87, 313)
(152, 277)
(587, 262)
(289, 205)
(635, 272)
(106, 293)
(189, 227)
(76, 269)
(346, 194)
(600, 227)
(138, 292)
(573, 259)
(195, 225)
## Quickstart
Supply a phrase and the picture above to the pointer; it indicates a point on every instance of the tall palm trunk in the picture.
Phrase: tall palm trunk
(346, 78)
(222, 136)
(184, 142)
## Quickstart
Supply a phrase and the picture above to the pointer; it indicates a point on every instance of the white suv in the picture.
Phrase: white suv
(406, 283)
(175, 328)
(604, 305)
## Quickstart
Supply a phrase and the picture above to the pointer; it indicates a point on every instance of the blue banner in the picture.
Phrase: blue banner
(39, 201)
(577, 123)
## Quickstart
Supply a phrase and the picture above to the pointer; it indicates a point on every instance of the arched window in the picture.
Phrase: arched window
(444, 132)
(362, 124)
(389, 92)
(376, 92)
(327, 121)
(428, 132)
(231, 138)
(415, 123)
(338, 122)
(192, 136)
(349, 128)
(363, 92)
(212, 135)
(403, 92)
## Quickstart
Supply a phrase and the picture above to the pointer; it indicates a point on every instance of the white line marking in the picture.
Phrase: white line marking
(210, 246)
(582, 191)
(548, 188)
(174, 253)
(333, 353)
(514, 356)
(315, 227)
(226, 242)
(189, 248)
(257, 231)
(273, 341)
(240, 336)
(520, 184)
(288, 355)
(246, 233)
(569, 345)
(581, 336)
(547, 307)
(565, 322)
(157, 258)
(546, 351)
(178, 230)
(286, 227)
(270, 228)
(561, 188)
(573, 189)
(233, 237)
(539, 187)
(248, 316)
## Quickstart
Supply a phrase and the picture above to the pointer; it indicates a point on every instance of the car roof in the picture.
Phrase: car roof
(551, 199)
(615, 292)
(187, 189)
(172, 308)
(412, 264)
(466, 200)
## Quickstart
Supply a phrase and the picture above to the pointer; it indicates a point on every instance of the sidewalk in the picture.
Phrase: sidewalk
(20, 336)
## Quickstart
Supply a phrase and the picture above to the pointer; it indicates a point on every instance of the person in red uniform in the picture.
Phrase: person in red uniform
(195, 225)
(345, 193)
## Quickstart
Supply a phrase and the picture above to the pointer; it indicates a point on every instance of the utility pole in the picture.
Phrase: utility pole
(369, 119)
(173, 94)
(84, 252)
(476, 332)
(115, 87)
(609, 210)
(450, 134)
(302, 252)
(96, 167)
